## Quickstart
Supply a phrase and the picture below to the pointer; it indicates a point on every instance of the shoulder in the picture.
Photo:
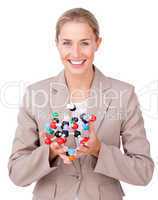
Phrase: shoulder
(118, 87)
(123, 89)
(44, 84)
(112, 83)
(119, 84)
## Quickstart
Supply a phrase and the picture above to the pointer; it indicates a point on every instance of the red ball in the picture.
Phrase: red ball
(84, 140)
(48, 140)
(92, 118)
(61, 140)
(53, 125)
(75, 126)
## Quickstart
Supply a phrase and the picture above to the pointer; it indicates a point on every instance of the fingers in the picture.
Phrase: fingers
(62, 156)
(42, 134)
(55, 145)
(91, 130)
(91, 126)
(65, 159)
(85, 146)
(83, 149)
(58, 149)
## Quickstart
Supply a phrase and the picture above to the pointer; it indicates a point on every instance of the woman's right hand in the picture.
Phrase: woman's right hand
(57, 150)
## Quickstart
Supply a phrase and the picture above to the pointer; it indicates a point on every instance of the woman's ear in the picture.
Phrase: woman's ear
(98, 42)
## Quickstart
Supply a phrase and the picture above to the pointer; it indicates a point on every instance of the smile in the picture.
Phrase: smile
(76, 62)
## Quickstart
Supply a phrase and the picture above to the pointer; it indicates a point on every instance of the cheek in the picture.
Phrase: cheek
(89, 53)
(63, 54)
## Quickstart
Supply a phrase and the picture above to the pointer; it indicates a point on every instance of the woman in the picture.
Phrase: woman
(100, 164)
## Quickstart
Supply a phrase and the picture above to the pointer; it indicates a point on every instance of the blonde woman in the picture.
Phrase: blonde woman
(100, 164)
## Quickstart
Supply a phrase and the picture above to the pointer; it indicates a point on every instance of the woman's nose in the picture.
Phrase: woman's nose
(76, 51)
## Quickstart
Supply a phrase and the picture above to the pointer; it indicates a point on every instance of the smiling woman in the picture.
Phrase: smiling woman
(77, 40)
(100, 164)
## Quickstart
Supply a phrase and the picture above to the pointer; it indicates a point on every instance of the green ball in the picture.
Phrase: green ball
(54, 114)
(71, 121)
(49, 130)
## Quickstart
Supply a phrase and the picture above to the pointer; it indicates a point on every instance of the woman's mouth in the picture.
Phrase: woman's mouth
(77, 63)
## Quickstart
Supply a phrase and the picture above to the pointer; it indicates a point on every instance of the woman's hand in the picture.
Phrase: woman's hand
(92, 147)
(59, 150)
(56, 149)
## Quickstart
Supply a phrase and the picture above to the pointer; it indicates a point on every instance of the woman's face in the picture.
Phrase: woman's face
(77, 45)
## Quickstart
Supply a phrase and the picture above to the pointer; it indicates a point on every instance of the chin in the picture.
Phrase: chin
(77, 70)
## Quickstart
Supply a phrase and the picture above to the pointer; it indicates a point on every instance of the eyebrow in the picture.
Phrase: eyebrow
(85, 39)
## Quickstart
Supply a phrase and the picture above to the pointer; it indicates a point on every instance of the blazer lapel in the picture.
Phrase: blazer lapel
(99, 99)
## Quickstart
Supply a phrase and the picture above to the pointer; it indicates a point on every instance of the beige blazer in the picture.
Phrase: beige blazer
(119, 120)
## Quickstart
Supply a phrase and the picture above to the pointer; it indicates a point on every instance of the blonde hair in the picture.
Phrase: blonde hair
(77, 15)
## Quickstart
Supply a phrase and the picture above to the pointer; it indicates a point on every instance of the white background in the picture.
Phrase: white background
(129, 52)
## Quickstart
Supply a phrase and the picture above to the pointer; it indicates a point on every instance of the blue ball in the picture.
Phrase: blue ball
(71, 151)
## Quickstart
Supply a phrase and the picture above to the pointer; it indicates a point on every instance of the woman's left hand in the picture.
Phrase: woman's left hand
(92, 147)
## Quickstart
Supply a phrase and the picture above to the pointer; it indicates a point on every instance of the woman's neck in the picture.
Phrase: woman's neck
(79, 84)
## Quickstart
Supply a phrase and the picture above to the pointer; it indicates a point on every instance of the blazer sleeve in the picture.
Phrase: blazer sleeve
(28, 161)
(135, 165)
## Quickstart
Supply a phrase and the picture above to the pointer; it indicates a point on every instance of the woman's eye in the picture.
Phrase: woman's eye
(66, 43)
(85, 43)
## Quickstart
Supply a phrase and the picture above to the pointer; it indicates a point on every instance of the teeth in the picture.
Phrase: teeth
(74, 62)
